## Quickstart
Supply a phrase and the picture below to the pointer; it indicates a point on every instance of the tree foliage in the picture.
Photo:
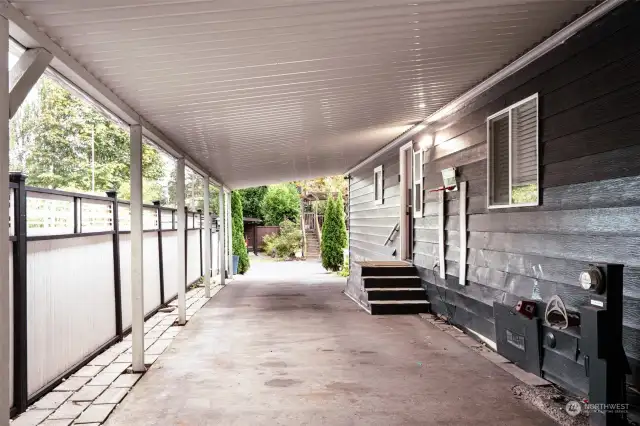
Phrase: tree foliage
(327, 184)
(252, 200)
(334, 235)
(286, 243)
(51, 139)
(279, 203)
(238, 245)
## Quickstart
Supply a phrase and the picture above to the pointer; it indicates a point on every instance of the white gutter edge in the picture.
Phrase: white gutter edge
(537, 52)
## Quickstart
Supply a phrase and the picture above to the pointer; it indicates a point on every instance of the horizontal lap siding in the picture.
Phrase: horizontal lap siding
(370, 223)
(589, 94)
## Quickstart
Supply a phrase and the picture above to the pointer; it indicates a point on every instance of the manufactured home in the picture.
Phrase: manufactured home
(511, 195)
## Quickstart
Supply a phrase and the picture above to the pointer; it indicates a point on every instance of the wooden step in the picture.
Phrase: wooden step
(409, 293)
(398, 307)
(397, 270)
(392, 282)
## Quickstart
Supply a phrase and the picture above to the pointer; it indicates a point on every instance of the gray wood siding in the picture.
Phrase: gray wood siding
(370, 223)
(589, 211)
(589, 118)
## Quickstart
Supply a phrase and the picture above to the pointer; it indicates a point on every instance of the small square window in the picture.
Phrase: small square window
(378, 185)
(512, 160)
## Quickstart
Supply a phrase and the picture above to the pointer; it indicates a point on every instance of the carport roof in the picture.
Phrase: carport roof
(263, 91)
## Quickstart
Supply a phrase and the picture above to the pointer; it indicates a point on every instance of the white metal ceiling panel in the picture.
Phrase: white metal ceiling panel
(272, 90)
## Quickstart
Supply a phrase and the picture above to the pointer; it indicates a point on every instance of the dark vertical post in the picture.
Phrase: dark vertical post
(117, 283)
(160, 261)
(255, 239)
(200, 233)
(20, 354)
(77, 218)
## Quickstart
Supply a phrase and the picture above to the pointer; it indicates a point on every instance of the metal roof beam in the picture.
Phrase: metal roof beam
(24, 75)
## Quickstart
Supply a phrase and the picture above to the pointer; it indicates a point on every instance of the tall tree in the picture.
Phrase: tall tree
(251, 201)
(52, 138)
(237, 233)
(280, 202)
(332, 241)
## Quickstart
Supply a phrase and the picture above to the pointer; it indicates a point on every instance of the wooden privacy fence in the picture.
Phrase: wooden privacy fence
(70, 269)
(263, 231)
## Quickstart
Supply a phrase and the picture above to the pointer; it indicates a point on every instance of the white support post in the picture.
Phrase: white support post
(229, 235)
(443, 272)
(4, 224)
(207, 240)
(137, 272)
(25, 74)
(182, 240)
(222, 235)
(463, 233)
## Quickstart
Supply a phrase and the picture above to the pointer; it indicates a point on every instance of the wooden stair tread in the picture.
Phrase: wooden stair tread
(395, 289)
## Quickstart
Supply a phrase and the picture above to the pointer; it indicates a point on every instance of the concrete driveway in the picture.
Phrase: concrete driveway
(284, 346)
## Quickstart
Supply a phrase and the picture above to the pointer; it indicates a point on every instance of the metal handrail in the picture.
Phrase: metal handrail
(391, 234)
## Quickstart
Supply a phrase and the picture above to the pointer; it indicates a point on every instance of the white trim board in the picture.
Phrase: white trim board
(403, 197)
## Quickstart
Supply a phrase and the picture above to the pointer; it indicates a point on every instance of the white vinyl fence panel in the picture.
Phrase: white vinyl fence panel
(170, 264)
(214, 253)
(70, 303)
(193, 255)
(151, 274)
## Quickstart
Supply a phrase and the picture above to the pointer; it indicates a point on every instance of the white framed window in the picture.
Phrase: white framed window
(378, 185)
(418, 157)
(513, 173)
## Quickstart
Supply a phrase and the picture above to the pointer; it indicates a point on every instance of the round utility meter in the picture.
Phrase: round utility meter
(591, 279)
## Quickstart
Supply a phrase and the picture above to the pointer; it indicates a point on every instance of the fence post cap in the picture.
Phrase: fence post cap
(156, 203)
(17, 177)
(112, 193)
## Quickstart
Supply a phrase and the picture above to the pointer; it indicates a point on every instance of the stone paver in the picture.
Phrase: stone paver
(158, 347)
(150, 359)
(95, 414)
(117, 367)
(112, 396)
(31, 417)
(126, 380)
(105, 358)
(52, 400)
(68, 410)
(89, 371)
(87, 393)
(170, 333)
(61, 422)
(124, 358)
(73, 383)
(103, 379)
